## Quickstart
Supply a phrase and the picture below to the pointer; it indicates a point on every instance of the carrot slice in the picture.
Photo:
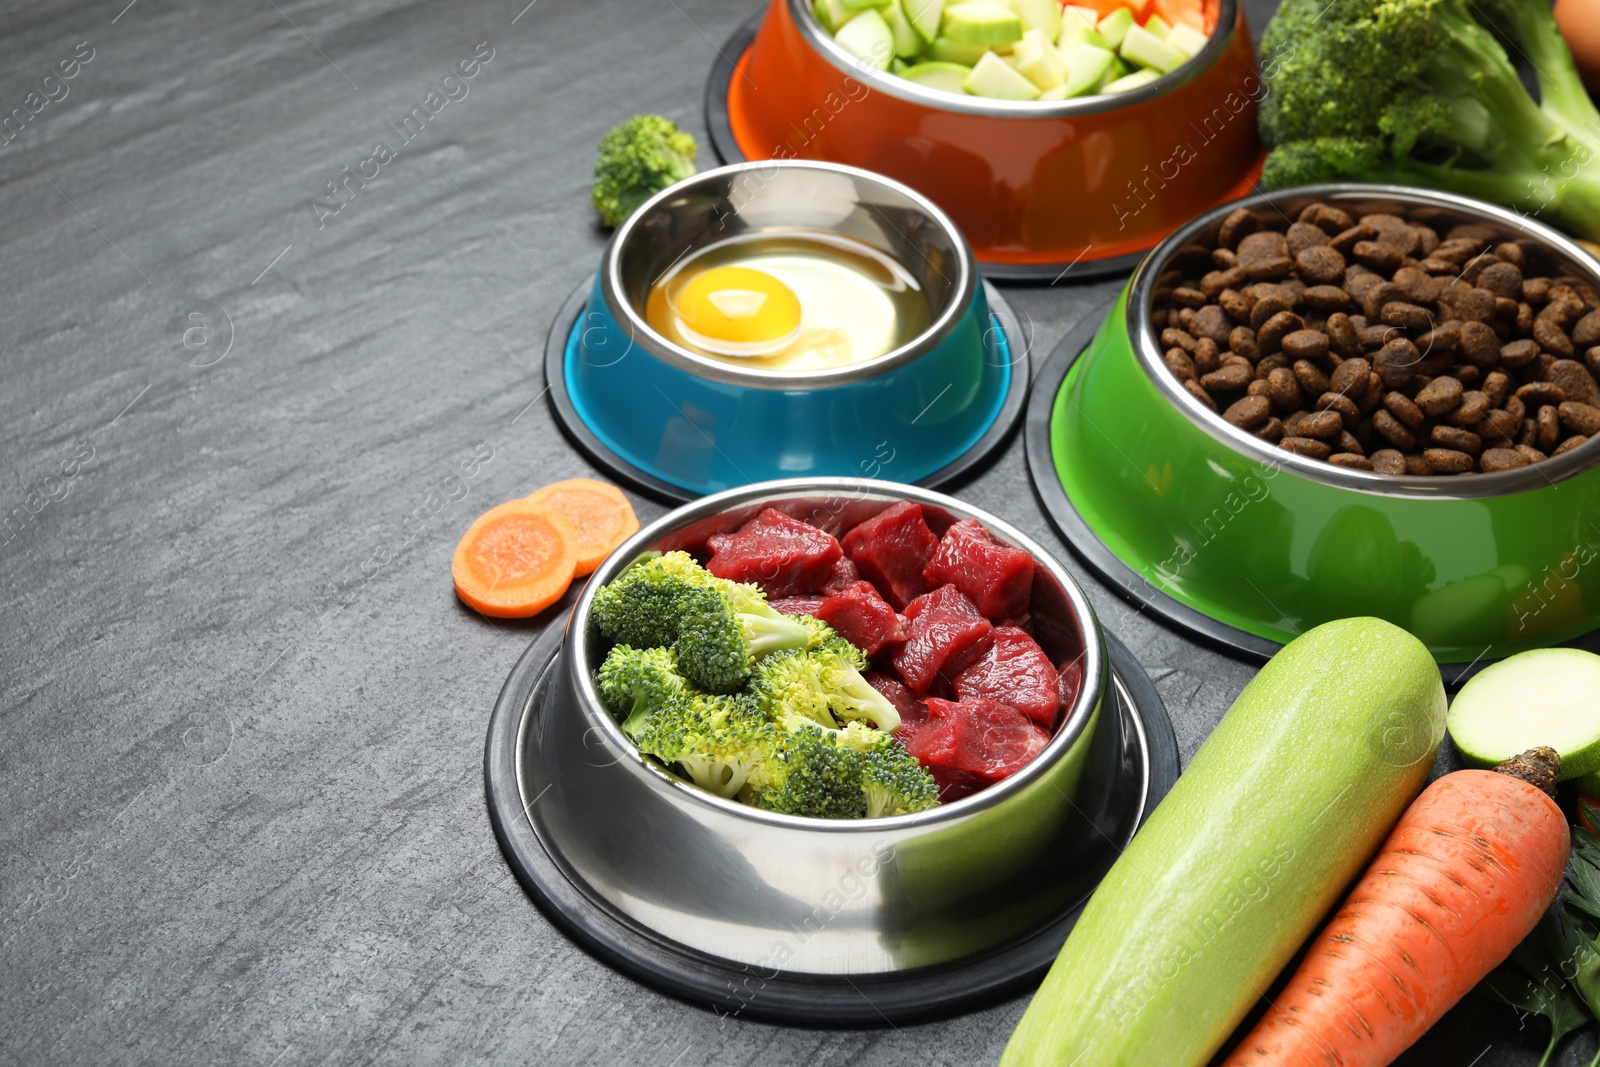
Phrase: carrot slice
(515, 560)
(597, 510)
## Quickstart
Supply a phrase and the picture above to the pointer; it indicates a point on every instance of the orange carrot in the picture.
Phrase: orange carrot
(597, 510)
(515, 560)
(1464, 877)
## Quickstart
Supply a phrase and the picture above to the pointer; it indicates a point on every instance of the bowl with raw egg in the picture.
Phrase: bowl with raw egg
(1065, 140)
(786, 319)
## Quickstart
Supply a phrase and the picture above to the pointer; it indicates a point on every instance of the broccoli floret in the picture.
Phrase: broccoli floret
(639, 158)
(716, 741)
(1423, 92)
(718, 642)
(894, 782)
(821, 687)
(640, 607)
(635, 682)
(810, 775)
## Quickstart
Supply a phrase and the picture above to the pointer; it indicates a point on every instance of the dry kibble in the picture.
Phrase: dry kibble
(1388, 461)
(1306, 446)
(1381, 343)
(1501, 459)
(1447, 460)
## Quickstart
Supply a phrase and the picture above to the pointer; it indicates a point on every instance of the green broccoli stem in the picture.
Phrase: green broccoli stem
(1537, 187)
(1531, 30)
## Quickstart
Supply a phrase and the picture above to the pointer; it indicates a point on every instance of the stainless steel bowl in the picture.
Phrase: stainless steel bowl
(781, 893)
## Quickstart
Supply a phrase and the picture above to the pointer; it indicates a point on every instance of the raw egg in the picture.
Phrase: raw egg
(788, 300)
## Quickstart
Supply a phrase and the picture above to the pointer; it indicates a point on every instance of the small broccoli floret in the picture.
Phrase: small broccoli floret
(718, 643)
(640, 607)
(716, 741)
(639, 158)
(1424, 92)
(788, 690)
(850, 696)
(894, 782)
(812, 776)
(635, 682)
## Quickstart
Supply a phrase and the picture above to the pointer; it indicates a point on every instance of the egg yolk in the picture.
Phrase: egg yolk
(738, 311)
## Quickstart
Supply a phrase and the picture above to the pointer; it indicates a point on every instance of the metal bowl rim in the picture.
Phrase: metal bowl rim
(933, 335)
(1221, 39)
(1072, 729)
(1473, 486)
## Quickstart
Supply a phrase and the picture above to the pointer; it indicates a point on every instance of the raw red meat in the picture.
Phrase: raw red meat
(783, 556)
(1016, 672)
(862, 617)
(942, 627)
(844, 573)
(907, 703)
(892, 548)
(997, 578)
(978, 736)
(953, 785)
(1071, 681)
(797, 605)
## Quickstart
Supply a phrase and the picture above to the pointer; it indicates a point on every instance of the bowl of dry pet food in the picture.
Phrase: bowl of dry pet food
(1349, 400)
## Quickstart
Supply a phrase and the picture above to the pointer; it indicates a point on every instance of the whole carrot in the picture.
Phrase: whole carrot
(1462, 879)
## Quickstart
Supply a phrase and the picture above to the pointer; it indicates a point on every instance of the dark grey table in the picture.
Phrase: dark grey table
(243, 713)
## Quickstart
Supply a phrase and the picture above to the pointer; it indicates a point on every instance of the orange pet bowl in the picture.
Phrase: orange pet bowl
(1043, 190)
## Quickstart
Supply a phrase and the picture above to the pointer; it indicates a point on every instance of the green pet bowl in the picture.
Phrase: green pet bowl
(1249, 546)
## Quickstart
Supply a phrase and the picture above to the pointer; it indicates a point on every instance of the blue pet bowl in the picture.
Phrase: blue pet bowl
(687, 424)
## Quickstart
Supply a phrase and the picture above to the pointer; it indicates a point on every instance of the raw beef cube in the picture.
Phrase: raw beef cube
(979, 736)
(862, 617)
(941, 628)
(797, 605)
(907, 703)
(892, 548)
(1014, 671)
(997, 578)
(844, 573)
(784, 556)
(954, 785)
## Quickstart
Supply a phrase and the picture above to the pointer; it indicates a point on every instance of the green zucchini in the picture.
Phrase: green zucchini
(1278, 812)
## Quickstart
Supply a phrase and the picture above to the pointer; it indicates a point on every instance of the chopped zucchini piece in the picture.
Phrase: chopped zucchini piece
(1041, 15)
(907, 42)
(925, 16)
(868, 38)
(1087, 68)
(944, 50)
(985, 22)
(994, 77)
(1039, 61)
(1116, 25)
(1130, 81)
(936, 75)
(1186, 39)
(1146, 49)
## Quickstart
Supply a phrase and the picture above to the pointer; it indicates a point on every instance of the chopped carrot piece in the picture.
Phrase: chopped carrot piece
(597, 510)
(515, 560)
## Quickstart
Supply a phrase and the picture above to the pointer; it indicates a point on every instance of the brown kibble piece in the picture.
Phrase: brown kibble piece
(1350, 459)
(1329, 219)
(1211, 321)
(1518, 354)
(1479, 344)
(1172, 337)
(1283, 389)
(1305, 345)
(1261, 246)
(1271, 430)
(1551, 337)
(1496, 384)
(1447, 460)
(1347, 408)
(1249, 412)
(1393, 430)
(1321, 424)
(1303, 235)
(1474, 406)
(1230, 378)
(1439, 396)
(1306, 446)
(1272, 332)
(1381, 257)
(1586, 331)
(1179, 363)
(1396, 362)
(1236, 226)
(1499, 425)
(1342, 335)
(1320, 265)
(1531, 454)
(1457, 438)
(1401, 407)
(1569, 444)
(1547, 427)
(1195, 390)
(1236, 304)
(1537, 393)
(1388, 461)
(1501, 459)
(1471, 305)
(1407, 316)
(1580, 418)
(1575, 381)
(1326, 298)
(1350, 378)
(1417, 463)
(1312, 381)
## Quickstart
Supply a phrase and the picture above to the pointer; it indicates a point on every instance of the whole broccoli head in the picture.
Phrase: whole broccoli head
(638, 158)
(716, 741)
(810, 775)
(1422, 92)
(634, 682)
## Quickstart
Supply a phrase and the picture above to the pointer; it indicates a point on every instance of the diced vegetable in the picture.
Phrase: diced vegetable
(1041, 15)
(1158, 26)
(936, 75)
(831, 14)
(985, 22)
(1087, 67)
(1115, 26)
(1186, 39)
(944, 50)
(907, 42)
(925, 16)
(865, 5)
(1146, 49)
(1130, 81)
(1074, 17)
(1464, 877)
(1071, 39)
(1550, 696)
(1281, 808)
(868, 38)
(994, 77)
(1039, 61)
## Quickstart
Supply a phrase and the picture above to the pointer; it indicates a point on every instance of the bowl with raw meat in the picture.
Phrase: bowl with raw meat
(843, 697)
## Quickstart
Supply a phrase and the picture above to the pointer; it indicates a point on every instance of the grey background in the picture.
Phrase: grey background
(243, 712)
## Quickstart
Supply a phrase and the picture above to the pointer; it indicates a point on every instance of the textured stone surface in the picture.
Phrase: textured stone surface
(243, 713)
